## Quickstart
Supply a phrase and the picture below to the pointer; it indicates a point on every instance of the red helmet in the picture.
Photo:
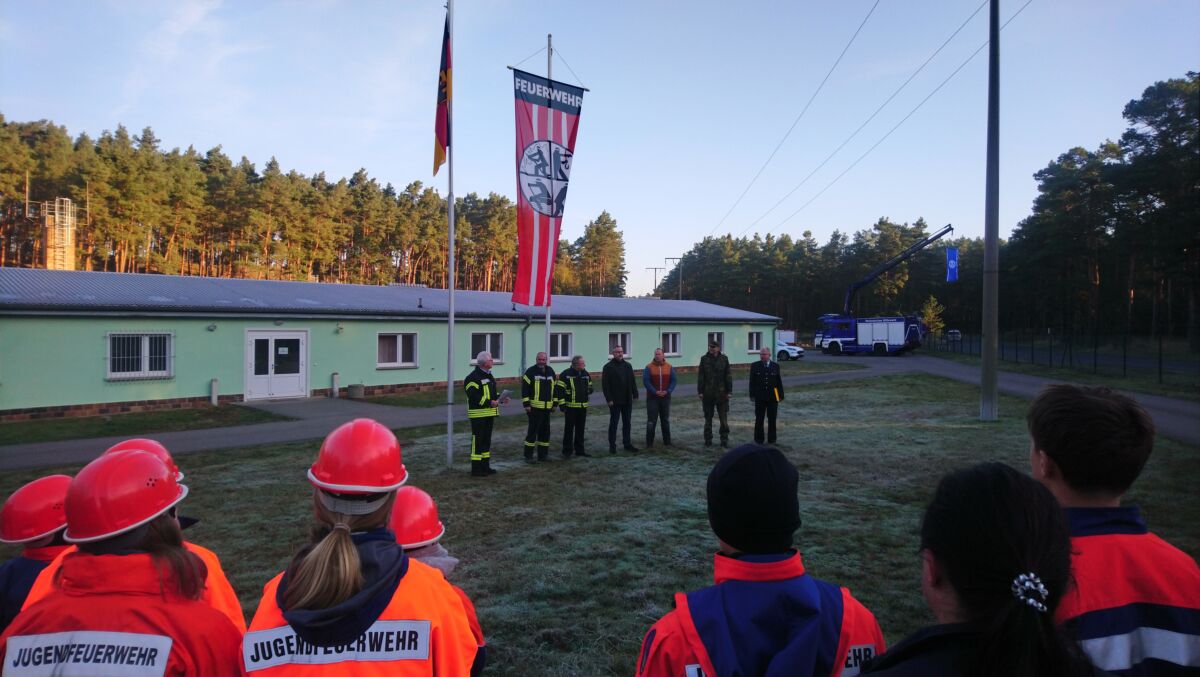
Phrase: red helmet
(119, 492)
(415, 518)
(35, 510)
(359, 457)
(153, 446)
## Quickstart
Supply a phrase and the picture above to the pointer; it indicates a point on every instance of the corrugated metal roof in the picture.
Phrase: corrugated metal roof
(28, 289)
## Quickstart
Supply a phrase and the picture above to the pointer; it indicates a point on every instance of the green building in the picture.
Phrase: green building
(78, 343)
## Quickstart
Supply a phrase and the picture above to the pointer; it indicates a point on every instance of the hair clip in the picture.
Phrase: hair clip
(1028, 588)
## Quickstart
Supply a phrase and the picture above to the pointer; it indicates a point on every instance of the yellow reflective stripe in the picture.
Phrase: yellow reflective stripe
(483, 413)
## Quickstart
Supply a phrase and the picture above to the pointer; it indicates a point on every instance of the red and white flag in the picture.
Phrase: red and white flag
(547, 120)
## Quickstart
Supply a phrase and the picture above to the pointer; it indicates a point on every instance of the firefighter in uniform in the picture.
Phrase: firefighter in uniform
(351, 602)
(483, 406)
(127, 602)
(218, 593)
(572, 389)
(537, 394)
(33, 517)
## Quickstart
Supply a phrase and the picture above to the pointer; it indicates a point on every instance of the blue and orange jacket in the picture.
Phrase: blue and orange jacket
(1135, 606)
(407, 620)
(17, 576)
(765, 616)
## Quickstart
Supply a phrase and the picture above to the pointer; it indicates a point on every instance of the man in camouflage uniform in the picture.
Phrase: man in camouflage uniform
(715, 385)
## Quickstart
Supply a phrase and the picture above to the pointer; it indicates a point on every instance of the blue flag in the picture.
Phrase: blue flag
(952, 264)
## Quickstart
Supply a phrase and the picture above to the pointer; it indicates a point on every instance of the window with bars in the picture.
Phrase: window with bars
(560, 346)
(670, 344)
(491, 342)
(140, 355)
(619, 338)
(396, 350)
(754, 341)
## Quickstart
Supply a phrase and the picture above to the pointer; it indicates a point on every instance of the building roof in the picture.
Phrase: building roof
(81, 292)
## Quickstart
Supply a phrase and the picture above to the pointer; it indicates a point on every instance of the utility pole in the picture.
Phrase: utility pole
(988, 390)
(680, 260)
(655, 269)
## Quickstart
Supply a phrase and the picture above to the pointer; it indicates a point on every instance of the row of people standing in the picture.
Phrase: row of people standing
(132, 597)
(543, 392)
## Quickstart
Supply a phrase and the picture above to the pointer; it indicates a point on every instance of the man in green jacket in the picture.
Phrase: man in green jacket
(715, 385)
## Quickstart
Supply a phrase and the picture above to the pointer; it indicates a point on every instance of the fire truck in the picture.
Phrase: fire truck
(843, 333)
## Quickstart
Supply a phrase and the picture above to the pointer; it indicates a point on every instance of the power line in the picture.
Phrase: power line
(867, 121)
(902, 121)
(797, 120)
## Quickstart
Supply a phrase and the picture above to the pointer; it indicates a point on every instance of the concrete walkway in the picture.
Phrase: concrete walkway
(315, 417)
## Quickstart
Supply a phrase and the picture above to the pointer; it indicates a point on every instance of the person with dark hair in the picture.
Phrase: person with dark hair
(34, 518)
(217, 593)
(620, 390)
(995, 563)
(351, 602)
(129, 598)
(1135, 605)
(765, 615)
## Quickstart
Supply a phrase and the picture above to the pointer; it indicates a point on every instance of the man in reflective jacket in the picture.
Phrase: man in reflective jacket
(572, 390)
(765, 615)
(483, 406)
(537, 394)
(1135, 606)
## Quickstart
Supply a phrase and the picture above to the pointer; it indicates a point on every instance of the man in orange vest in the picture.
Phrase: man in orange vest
(659, 379)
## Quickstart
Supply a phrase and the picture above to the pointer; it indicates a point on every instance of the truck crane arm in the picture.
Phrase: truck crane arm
(891, 263)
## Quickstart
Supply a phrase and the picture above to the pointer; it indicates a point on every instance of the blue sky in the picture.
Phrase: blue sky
(687, 101)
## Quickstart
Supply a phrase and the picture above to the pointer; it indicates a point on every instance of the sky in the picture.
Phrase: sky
(687, 101)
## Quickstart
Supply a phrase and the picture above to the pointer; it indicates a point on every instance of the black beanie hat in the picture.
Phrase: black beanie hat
(752, 501)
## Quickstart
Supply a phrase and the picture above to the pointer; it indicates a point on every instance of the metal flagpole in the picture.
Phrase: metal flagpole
(550, 282)
(988, 391)
(450, 249)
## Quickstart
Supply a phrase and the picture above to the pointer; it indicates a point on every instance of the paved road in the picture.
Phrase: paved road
(315, 417)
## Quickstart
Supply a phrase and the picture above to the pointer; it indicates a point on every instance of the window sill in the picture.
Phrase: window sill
(140, 377)
(388, 367)
(494, 361)
(560, 359)
(672, 354)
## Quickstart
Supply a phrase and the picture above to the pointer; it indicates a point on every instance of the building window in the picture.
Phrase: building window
(140, 355)
(396, 350)
(618, 338)
(491, 342)
(670, 343)
(560, 346)
(754, 341)
(718, 336)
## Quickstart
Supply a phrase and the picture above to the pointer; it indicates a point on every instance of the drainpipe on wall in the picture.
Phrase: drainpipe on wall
(528, 320)
(333, 391)
(214, 392)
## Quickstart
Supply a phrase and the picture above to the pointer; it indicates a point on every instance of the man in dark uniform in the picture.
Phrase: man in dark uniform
(714, 382)
(537, 394)
(620, 390)
(483, 406)
(571, 391)
(766, 389)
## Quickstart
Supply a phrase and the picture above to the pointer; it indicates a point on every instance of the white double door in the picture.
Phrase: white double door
(276, 364)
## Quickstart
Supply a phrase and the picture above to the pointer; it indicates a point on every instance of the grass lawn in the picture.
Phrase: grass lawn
(570, 562)
(52, 430)
(437, 398)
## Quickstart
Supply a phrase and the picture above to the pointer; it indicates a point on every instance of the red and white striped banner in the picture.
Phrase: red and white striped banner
(547, 120)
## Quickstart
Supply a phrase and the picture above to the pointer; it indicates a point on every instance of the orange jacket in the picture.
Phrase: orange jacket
(218, 593)
(424, 630)
(110, 612)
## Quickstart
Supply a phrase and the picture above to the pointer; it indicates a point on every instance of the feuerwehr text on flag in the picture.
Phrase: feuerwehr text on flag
(547, 121)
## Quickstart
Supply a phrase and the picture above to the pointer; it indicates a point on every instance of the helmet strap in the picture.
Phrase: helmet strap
(347, 506)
